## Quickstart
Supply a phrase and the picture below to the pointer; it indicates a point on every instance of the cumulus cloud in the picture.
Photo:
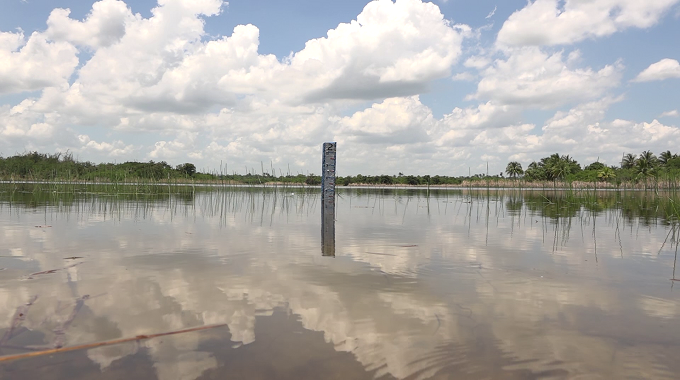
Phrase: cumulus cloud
(467, 77)
(103, 26)
(160, 88)
(460, 126)
(673, 113)
(584, 132)
(116, 149)
(511, 139)
(563, 22)
(477, 62)
(166, 64)
(394, 121)
(390, 49)
(33, 64)
(664, 69)
(163, 74)
(21, 124)
(534, 78)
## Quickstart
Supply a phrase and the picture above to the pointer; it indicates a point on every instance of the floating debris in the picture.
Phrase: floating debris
(380, 254)
(73, 258)
(45, 272)
(50, 271)
(101, 344)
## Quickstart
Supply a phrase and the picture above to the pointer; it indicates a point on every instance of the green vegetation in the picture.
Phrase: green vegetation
(34, 166)
(514, 169)
(643, 171)
(38, 166)
(646, 170)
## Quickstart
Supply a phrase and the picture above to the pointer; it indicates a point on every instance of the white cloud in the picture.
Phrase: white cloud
(672, 113)
(145, 68)
(164, 75)
(465, 76)
(104, 25)
(584, 132)
(484, 116)
(664, 69)
(34, 64)
(22, 123)
(533, 78)
(160, 88)
(562, 22)
(477, 62)
(115, 149)
(493, 12)
(565, 128)
(511, 139)
(391, 49)
(394, 121)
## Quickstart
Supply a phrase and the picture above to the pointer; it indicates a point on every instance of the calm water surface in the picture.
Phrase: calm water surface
(443, 285)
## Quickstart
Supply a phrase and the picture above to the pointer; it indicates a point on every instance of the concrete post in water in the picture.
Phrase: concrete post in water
(328, 199)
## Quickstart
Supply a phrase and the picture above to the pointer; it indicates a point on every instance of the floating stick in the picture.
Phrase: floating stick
(102, 344)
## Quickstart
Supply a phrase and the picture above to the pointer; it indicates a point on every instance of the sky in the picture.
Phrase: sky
(405, 86)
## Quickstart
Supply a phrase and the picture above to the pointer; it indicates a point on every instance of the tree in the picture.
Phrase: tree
(606, 173)
(535, 172)
(514, 169)
(411, 180)
(628, 161)
(436, 180)
(313, 180)
(386, 180)
(597, 165)
(674, 163)
(645, 165)
(188, 168)
(648, 156)
(558, 167)
(664, 157)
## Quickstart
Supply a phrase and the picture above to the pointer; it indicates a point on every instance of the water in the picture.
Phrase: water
(444, 285)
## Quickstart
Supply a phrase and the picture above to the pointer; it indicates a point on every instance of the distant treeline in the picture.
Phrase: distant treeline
(39, 166)
(633, 168)
(35, 166)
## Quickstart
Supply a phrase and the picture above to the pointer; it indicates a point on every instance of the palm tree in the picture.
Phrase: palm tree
(644, 165)
(551, 166)
(664, 157)
(514, 169)
(649, 157)
(628, 161)
(560, 169)
(606, 173)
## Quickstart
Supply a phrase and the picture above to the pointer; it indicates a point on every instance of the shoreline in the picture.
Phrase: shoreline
(600, 186)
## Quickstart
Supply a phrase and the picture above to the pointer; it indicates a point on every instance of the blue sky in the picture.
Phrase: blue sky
(403, 86)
